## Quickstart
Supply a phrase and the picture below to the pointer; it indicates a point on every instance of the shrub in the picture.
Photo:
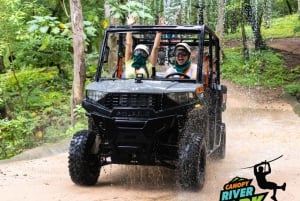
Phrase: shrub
(263, 69)
(43, 114)
(15, 135)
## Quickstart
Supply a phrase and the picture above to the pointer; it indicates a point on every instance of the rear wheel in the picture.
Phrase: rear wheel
(192, 162)
(84, 167)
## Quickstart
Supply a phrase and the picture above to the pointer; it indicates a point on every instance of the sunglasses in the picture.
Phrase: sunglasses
(181, 53)
(140, 52)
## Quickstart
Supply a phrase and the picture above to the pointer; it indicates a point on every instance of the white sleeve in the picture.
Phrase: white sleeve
(192, 73)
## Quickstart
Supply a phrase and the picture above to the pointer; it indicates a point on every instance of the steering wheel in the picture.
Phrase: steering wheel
(180, 74)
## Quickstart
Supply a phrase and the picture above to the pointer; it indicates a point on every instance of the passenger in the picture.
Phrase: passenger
(183, 63)
(139, 60)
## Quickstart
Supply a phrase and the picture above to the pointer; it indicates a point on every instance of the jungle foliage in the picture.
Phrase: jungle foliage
(265, 67)
(36, 56)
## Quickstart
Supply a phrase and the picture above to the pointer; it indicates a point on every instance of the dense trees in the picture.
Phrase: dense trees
(50, 23)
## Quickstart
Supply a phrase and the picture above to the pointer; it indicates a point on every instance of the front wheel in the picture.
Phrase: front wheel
(84, 166)
(192, 162)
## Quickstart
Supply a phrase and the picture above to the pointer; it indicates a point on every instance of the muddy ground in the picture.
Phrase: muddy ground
(261, 125)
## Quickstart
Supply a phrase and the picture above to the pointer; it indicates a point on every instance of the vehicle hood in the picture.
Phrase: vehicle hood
(144, 86)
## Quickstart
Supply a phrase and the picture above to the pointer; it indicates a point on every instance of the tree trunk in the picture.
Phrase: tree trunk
(201, 13)
(256, 26)
(2, 66)
(299, 7)
(289, 7)
(244, 38)
(79, 56)
(221, 23)
(258, 39)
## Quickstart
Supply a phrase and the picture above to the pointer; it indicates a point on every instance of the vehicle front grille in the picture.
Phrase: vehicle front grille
(153, 101)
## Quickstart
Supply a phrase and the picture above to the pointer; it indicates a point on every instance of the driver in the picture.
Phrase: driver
(183, 63)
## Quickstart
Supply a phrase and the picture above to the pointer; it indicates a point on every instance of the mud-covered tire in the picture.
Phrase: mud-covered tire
(84, 167)
(192, 162)
(221, 151)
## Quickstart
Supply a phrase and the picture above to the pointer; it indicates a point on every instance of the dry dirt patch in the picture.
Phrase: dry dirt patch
(289, 48)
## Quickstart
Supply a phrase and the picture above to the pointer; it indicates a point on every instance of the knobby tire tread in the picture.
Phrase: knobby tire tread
(84, 167)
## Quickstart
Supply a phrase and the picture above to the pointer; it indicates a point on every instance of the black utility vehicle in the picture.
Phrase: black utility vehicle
(153, 120)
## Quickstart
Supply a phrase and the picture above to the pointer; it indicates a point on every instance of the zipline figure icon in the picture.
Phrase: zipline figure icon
(261, 170)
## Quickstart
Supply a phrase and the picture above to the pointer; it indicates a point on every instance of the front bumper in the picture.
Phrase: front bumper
(135, 135)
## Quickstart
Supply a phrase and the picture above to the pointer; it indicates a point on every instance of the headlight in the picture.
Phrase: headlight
(182, 97)
(95, 95)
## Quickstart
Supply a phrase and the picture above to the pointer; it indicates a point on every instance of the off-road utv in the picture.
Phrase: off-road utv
(155, 120)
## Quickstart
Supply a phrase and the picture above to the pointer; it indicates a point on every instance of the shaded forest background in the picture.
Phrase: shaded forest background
(38, 43)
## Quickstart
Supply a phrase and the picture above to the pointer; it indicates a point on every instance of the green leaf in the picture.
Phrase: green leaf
(147, 15)
(44, 29)
(90, 31)
(33, 28)
(55, 30)
(87, 23)
(39, 18)
(141, 13)
(50, 18)
(117, 15)
(45, 43)
(124, 7)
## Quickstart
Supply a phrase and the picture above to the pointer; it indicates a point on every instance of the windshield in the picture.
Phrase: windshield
(153, 54)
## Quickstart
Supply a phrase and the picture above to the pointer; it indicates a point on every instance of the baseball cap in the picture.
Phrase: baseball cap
(142, 47)
(185, 46)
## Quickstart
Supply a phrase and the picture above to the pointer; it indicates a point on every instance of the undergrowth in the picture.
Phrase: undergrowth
(34, 109)
(264, 68)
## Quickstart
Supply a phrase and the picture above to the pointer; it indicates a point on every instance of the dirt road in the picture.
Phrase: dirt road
(289, 48)
(258, 129)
